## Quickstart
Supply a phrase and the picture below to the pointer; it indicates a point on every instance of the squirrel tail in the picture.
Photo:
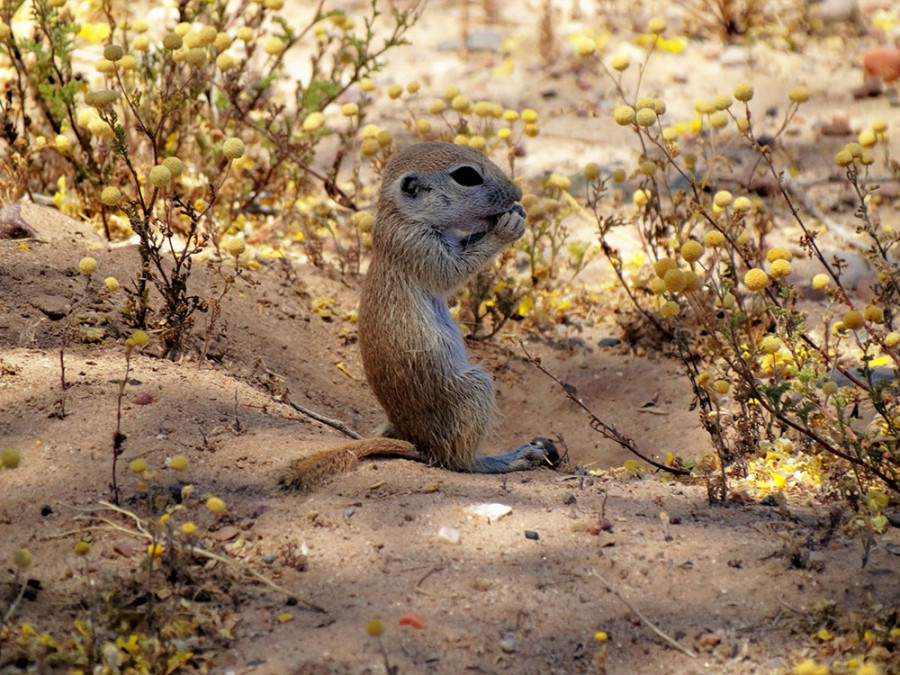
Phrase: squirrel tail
(305, 473)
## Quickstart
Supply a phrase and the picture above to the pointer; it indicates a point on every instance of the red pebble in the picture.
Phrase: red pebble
(883, 62)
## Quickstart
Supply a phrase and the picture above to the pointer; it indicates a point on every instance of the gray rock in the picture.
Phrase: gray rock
(22, 220)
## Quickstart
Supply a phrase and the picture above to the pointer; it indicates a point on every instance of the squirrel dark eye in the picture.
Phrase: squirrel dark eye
(410, 186)
(467, 176)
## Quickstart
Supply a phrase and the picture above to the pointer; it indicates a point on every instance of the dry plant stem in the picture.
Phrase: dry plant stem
(142, 532)
(334, 424)
(119, 437)
(15, 603)
(671, 641)
(596, 423)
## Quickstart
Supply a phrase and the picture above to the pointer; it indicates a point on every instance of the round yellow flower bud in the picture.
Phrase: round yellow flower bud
(510, 116)
(741, 204)
(728, 300)
(394, 91)
(756, 279)
(384, 138)
(10, 458)
(370, 131)
(656, 26)
(244, 34)
(424, 127)
(657, 286)
(363, 220)
(141, 43)
(704, 106)
(867, 138)
(719, 120)
(235, 247)
(223, 41)
(664, 265)
(111, 195)
(585, 47)
(714, 239)
(174, 165)
(275, 5)
(87, 266)
(799, 94)
(669, 309)
(770, 344)
(375, 627)
(691, 251)
(853, 320)
(437, 106)
(349, 109)
(82, 548)
(529, 116)
(413, 87)
(891, 340)
(61, 142)
(215, 505)
(137, 465)
(591, 171)
(188, 528)
(722, 198)
(843, 158)
(743, 92)
(647, 168)
(273, 46)
(620, 62)
(618, 175)
(113, 52)
(779, 269)
(369, 147)
(675, 281)
(226, 62)
(100, 128)
(721, 386)
(112, 284)
(625, 115)
(313, 121)
(160, 176)
(829, 388)
(820, 281)
(532, 130)
(196, 56)
(140, 338)
(22, 558)
(140, 26)
(172, 41)
(641, 198)
(192, 39)
(233, 148)
(182, 28)
(459, 103)
(874, 314)
(743, 124)
(178, 462)
(477, 142)
(451, 92)
(722, 102)
(778, 253)
(645, 117)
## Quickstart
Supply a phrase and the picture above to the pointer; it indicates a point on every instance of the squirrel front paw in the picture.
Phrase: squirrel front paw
(511, 225)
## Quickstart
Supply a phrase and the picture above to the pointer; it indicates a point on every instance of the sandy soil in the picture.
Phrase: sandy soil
(737, 585)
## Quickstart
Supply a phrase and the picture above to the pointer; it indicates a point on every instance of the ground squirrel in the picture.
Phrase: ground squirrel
(444, 212)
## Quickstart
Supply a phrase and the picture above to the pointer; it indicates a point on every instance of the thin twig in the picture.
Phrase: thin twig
(599, 425)
(333, 423)
(672, 642)
(15, 604)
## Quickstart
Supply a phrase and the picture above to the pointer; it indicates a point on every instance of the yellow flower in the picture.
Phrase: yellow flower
(675, 281)
(233, 148)
(313, 121)
(853, 320)
(619, 62)
(529, 116)
(743, 92)
(714, 239)
(273, 46)
(215, 505)
(656, 26)
(664, 265)
(592, 171)
(780, 269)
(756, 279)
(160, 176)
(111, 195)
(691, 251)
(874, 314)
(820, 281)
(799, 94)
(437, 106)
(625, 115)
(645, 117)
(138, 465)
(178, 462)
(87, 266)
(722, 198)
(669, 309)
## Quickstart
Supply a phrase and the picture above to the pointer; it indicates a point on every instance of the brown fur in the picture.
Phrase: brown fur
(444, 212)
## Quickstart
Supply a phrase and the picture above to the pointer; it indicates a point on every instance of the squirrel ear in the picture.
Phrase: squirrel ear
(409, 185)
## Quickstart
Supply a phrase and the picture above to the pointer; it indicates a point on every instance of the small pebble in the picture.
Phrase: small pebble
(531, 534)
(448, 535)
